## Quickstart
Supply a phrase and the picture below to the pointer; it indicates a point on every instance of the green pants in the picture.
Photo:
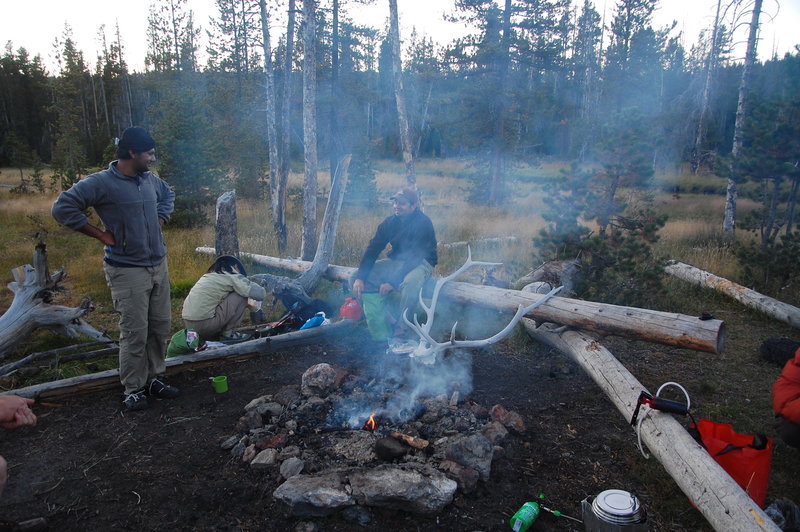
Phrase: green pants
(376, 307)
(141, 297)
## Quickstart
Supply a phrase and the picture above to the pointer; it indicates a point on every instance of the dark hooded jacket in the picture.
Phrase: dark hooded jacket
(412, 238)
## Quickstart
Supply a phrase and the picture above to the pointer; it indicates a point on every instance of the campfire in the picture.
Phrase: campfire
(408, 438)
(371, 424)
(407, 442)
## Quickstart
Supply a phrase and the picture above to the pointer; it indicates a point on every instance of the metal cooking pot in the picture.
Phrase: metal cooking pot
(614, 511)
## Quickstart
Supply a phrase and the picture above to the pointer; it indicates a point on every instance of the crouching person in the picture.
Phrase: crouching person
(786, 402)
(216, 303)
(133, 204)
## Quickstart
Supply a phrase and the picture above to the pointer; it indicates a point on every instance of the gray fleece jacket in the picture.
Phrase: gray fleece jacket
(129, 208)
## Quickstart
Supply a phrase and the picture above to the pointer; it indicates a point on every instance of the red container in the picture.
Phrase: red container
(748, 466)
(351, 309)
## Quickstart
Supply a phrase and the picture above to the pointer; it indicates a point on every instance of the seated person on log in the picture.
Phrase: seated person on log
(14, 413)
(409, 262)
(216, 303)
(786, 402)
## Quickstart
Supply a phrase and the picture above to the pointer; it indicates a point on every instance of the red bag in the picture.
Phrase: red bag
(351, 309)
(746, 459)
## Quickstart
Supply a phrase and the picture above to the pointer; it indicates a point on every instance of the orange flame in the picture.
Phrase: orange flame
(370, 424)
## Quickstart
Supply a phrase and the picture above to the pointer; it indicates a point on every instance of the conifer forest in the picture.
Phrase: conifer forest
(537, 80)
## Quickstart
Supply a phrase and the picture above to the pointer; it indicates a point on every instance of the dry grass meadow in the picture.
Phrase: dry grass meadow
(691, 235)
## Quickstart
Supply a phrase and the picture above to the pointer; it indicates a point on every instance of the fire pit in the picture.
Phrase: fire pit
(407, 438)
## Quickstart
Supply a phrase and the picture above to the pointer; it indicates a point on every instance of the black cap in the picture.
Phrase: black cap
(136, 139)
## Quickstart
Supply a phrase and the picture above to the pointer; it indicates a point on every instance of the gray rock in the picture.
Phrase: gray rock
(264, 460)
(238, 450)
(288, 452)
(249, 453)
(494, 432)
(466, 478)
(287, 395)
(315, 495)
(291, 467)
(410, 487)
(270, 409)
(473, 451)
(257, 401)
(319, 379)
(230, 442)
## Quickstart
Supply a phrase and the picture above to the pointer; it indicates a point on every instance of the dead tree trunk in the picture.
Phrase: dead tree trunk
(289, 290)
(309, 240)
(721, 501)
(666, 328)
(771, 307)
(399, 93)
(33, 288)
(227, 238)
(729, 219)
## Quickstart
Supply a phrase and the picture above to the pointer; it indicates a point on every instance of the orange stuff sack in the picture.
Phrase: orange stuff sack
(747, 459)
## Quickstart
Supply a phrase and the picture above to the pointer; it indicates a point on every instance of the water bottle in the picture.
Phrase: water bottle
(525, 516)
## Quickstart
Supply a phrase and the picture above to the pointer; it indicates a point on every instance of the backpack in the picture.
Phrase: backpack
(184, 342)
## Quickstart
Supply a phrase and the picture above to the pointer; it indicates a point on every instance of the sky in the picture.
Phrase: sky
(35, 26)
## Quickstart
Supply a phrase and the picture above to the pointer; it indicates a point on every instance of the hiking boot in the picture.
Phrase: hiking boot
(162, 390)
(234, 336)
(135, 401)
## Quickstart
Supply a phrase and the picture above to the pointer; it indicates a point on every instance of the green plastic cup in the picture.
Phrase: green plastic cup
(220, 384)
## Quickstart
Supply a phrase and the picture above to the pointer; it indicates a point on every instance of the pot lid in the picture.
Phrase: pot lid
(617, 502)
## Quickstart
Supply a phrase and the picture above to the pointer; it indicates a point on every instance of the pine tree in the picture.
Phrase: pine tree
(72, 123)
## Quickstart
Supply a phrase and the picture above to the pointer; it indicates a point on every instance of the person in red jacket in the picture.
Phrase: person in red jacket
(786, 402)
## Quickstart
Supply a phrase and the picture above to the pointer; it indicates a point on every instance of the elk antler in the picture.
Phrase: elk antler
(428, 348)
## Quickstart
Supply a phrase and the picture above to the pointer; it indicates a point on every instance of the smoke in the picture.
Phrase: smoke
(397, 392)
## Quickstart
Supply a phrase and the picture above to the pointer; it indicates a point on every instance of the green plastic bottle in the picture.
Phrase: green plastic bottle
(525, 516)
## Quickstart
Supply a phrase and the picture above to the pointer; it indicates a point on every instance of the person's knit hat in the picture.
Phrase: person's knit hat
(409, 195)
(136, 139)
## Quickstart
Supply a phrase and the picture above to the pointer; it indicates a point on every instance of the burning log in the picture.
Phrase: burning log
(721, 501)
(412, 441)
(630, 322)
(771, 307)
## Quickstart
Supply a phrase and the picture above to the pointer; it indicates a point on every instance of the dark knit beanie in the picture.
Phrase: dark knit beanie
(136, 139)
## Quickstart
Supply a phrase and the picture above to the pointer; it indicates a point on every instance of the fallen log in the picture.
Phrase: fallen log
(109, 379)
(34, 287)
(33, 357)
(640, 324)
(750, 298)
(721, 501)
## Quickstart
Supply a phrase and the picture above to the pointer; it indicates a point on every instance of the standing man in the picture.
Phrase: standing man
(133, 204)
(410, 261)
